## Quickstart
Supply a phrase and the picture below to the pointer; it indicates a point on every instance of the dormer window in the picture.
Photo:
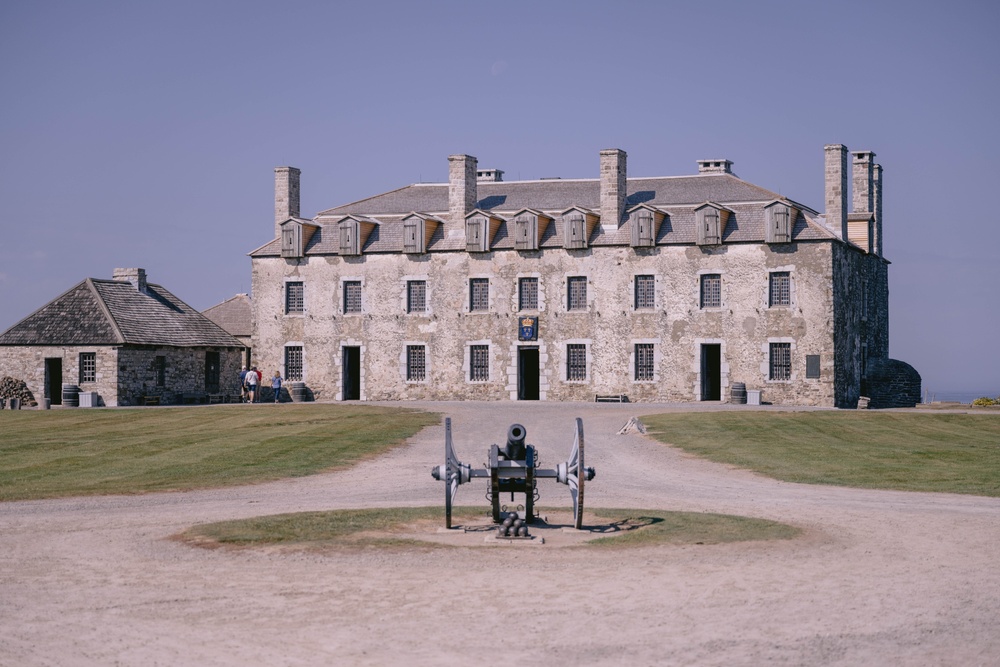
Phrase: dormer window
(349, 244)
(480, 228)
(780, 218)
(575, 230)
(291, 240)
(711, 222)
(417, 232)
(526, 233)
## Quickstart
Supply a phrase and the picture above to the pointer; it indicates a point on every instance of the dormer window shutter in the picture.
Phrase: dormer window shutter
(475, 233)
(779, 224)
(413, 236)
(291, 236)
(576, 234)
(349, 238)
(709, 231)
(524, 233)
(642, 230)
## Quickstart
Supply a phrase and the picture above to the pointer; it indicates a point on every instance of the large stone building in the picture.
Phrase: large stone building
(125, 341)
(658, 289)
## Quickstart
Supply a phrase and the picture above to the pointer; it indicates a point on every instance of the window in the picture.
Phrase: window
(88, 367)
(416, 296)
(781, 361)
(416, 363)
(294, 297)
(576, 362)
(642, 230)
(479, 363)
(527, 293)
(160, 371)
(780, 291)
(779, 225)
(352, 296)
(479, 294)
(576, 290)
(526, 233)
(643, 361)
(812, 366)
(711, 290)
(644, 292)
(575, 232)
(709, 226)
(293, 363)
(413, 235)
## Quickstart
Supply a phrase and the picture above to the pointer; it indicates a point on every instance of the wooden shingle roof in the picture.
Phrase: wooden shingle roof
(115, 312)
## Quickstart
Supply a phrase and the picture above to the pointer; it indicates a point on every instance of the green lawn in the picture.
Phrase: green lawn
(47, 454)
(951, 453)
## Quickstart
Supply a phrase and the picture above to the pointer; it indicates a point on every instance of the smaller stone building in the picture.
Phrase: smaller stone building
(130, 341)
(235, 315)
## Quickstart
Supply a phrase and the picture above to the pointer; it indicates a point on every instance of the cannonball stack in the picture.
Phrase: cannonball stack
(14, 388)
(512, 526)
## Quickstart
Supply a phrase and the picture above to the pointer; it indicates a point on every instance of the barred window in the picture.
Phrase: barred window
(527, 294)
(352, 296)
(479, 363)
(645, 295)
(576, 361)
(643, 361)
(576, 289)
(711, 290)
(416, 296)
(88, 367)
(416, 363)
(781, 361)
(160, 370)
(780, 289)
(294, 297)
(479, 294)
(293, 363)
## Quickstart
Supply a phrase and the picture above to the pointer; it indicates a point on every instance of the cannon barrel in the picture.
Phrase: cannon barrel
(515, 450)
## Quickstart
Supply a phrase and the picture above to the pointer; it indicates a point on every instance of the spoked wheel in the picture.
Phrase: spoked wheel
(577, 475)
(495, 481)
(529, 485)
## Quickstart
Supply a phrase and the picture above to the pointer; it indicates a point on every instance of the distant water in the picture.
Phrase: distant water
(957, 396)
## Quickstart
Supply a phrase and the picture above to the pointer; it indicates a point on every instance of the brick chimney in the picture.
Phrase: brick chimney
(461, 187)
(135, 276)
(836, 188)
(614, 188)
(286, 196)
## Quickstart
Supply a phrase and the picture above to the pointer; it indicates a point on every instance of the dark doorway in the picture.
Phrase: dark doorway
(711, 372)
(53, 380)
(352, 373)
(212, 372)
(527, 374)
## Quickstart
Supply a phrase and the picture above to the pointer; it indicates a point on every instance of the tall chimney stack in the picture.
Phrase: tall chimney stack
(863, 190)
(836, 188)
(877, 203)
(461, 187)
(286, 196)
(613, 188)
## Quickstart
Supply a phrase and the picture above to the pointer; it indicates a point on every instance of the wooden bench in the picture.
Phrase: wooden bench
(217, 398)
(611, 398)
(150, 400)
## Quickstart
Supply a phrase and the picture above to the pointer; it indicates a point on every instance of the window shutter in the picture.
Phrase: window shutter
(349, 238)
(412, 236)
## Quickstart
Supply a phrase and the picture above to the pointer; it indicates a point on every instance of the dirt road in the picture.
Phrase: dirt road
(877, 578)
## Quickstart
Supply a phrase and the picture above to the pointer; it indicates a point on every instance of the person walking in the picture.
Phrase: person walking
(243, 385)
(276, 386)
(252, 385)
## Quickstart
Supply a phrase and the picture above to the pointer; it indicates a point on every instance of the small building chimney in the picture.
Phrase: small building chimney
(489, 175)
(135, 276)
(461, 187)
(836, 188)
(862, 185)
(614, 188)
(286, 196)
(715, 166)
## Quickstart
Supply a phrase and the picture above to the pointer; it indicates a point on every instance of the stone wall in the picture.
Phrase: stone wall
(744, 326)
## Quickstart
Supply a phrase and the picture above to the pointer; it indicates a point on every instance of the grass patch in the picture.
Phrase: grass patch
(947, 453)
(59, 453)
(388, 527)
(636, 528)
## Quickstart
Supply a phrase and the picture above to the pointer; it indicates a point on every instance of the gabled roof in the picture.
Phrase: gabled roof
(114, 312)
(234, 315)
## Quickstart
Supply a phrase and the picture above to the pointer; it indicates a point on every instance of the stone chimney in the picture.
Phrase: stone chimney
(715, 166)
(836, 188)
(286, 196)
(461, 187)
(135, 276)
(862, 182)
(613, 188)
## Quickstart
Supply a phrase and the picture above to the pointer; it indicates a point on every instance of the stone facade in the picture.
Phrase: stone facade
(797, 318)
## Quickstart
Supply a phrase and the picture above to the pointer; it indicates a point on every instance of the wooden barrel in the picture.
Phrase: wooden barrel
(297, 390)
(739, 393)
(70, 396)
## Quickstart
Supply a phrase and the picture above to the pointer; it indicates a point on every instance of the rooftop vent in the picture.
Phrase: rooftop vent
(715, 166)
(489, 175)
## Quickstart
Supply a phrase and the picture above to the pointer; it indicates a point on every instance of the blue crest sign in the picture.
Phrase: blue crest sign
(527, 328)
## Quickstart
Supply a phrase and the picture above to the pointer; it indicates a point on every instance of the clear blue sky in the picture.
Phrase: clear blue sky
(145, 133)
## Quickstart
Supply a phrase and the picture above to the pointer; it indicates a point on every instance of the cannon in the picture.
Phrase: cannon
(513, 469)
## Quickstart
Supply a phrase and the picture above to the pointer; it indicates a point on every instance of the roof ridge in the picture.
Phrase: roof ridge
(104, 307)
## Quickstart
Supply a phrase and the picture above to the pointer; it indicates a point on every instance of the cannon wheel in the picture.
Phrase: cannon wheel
(452, 473)
(529, 485)
(576, 480)
(495, 481)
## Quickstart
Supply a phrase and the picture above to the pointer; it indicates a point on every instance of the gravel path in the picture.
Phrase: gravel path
(877, 578)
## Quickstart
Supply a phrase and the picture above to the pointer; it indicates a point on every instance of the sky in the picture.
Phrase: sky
(145, 134)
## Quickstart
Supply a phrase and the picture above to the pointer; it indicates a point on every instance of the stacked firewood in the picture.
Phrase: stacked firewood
(14, 388)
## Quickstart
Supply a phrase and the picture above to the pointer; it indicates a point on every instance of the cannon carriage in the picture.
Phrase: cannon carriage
(514, 469)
